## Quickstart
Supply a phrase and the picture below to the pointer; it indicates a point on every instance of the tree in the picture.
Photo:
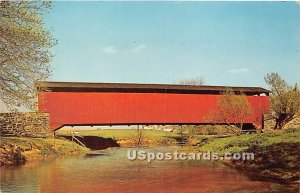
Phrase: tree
(233, 110)
(194, 81)
(25, 54)
(284, 100)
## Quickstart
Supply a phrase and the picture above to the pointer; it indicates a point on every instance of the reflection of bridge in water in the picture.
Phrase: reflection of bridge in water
(138, 104)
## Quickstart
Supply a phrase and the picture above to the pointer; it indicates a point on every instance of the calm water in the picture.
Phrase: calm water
(115, 173)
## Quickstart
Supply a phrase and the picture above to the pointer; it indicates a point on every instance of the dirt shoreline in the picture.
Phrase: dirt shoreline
(19, 150)
(278, 162)
(276, 154)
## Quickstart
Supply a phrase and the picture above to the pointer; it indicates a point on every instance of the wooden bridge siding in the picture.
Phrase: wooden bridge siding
(79, 108)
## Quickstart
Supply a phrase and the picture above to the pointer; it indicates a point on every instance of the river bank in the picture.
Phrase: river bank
(278, 162)
(276, 153)
(19, 150)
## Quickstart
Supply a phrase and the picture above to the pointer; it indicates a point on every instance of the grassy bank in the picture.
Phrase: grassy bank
(17, 150)
(276, 153)
(129, 137)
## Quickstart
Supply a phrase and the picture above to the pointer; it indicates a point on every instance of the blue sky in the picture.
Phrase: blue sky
(226, 43)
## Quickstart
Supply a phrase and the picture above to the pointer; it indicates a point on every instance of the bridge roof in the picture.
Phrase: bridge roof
(144, 88)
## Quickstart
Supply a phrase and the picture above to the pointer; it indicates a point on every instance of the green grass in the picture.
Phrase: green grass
(121, 133)
(150, 137)
(243, 142)
(276, 153)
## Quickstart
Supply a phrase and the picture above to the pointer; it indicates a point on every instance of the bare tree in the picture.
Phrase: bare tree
(194, 81)
(24, 55)
(285, 100)
(233, 110)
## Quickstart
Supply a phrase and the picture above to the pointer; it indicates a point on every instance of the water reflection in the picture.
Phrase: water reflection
(115, 173)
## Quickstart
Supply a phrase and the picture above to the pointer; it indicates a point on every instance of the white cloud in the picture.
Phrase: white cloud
(138, 48)
(110, 50)
(239, 71)
(133, 50)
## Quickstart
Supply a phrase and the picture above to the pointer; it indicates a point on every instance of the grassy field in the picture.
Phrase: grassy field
(18, 150)
(119, 133)
(128, 136)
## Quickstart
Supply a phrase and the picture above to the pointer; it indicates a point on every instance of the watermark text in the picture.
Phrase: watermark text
(175, 155)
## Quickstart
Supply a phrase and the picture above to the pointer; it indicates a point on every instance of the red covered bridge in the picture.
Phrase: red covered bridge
(71, 104)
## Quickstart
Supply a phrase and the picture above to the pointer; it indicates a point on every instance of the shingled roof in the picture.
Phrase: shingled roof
(144, 88)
